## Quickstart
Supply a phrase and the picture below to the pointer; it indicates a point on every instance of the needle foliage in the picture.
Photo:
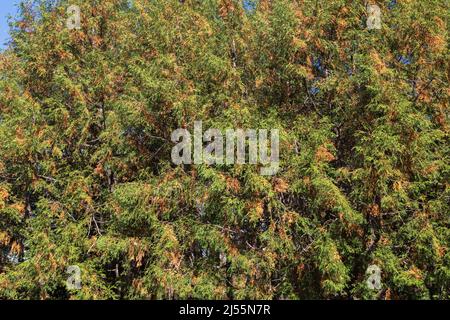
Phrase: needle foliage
(86, 177)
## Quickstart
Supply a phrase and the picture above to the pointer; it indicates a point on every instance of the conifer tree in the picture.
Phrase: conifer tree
(87, 180)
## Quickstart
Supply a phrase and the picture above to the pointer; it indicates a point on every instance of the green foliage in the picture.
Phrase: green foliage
(86, 176)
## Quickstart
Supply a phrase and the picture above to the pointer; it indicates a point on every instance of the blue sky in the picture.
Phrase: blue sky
(9, 7)
(6, 7)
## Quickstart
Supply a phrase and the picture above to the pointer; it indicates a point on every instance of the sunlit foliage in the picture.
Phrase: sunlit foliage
(86, 176)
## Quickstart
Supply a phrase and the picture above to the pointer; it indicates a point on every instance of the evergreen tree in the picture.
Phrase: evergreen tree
(87, 180)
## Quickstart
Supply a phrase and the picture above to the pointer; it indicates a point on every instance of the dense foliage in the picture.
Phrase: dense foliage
(86, 176)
